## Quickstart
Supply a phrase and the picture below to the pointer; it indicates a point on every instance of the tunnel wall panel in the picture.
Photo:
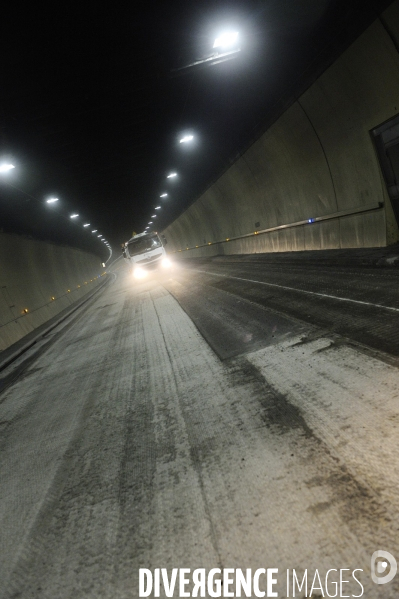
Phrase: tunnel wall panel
(31, 274)
(316, 160)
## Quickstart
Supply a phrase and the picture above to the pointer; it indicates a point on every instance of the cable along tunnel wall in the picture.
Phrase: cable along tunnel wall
(37, 281)
(316, 162)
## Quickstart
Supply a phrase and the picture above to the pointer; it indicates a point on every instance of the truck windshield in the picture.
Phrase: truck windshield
(143, 244)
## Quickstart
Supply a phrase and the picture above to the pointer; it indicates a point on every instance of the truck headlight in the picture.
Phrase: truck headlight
(166, 263)
(139, 273)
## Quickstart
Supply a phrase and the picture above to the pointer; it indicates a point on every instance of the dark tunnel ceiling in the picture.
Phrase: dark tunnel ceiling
(90, 113)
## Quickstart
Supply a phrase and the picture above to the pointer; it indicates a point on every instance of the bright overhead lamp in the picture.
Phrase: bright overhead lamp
(153, 215)
(229, 38)
(150, 223)
(171, 175)
(95, 231)
(186, 138)
(163, 195)
(74, 215)
(157, 207)
(87, 225)
(4, 168)
(52, 200)
(98, 235)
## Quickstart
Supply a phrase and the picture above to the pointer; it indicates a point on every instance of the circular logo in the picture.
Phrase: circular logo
(383, 567)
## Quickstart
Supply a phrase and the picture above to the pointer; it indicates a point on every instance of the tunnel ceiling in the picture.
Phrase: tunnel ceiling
(92, 107)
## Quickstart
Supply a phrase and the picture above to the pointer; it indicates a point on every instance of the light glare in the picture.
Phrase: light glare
(95, 231)
(4, 168)
(171, 175)
(186, 138)
(166, 263)
(157, 207)
(87, 225)
(52, 200)
(74, 215)
(164, 195)
(139, 273)
(229, 38)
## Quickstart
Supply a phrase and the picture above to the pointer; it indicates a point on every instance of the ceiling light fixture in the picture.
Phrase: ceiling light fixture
(4, 168)
(229, 38)
(186, 138)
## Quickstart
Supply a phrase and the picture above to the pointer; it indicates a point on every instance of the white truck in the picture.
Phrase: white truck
(145, 253)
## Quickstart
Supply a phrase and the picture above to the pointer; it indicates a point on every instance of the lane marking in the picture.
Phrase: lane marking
(335, 297)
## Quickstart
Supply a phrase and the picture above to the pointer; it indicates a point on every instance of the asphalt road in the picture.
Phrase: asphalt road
(358, 303)
(226, 415)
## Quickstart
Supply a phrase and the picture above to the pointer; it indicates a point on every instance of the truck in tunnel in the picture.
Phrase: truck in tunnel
(146, 253)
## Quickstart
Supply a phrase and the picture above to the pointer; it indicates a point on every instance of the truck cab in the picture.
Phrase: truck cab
(145, 253)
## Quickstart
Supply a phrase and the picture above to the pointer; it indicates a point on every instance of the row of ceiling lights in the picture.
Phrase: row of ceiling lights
(224, 41)
(163, 195)
(184, 139)
(74, 215)
(5, 168)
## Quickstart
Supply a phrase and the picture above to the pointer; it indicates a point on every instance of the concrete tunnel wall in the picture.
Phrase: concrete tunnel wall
(31, 274)
(316, 160)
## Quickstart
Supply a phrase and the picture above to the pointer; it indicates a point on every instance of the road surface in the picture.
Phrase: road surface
(225, 415)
